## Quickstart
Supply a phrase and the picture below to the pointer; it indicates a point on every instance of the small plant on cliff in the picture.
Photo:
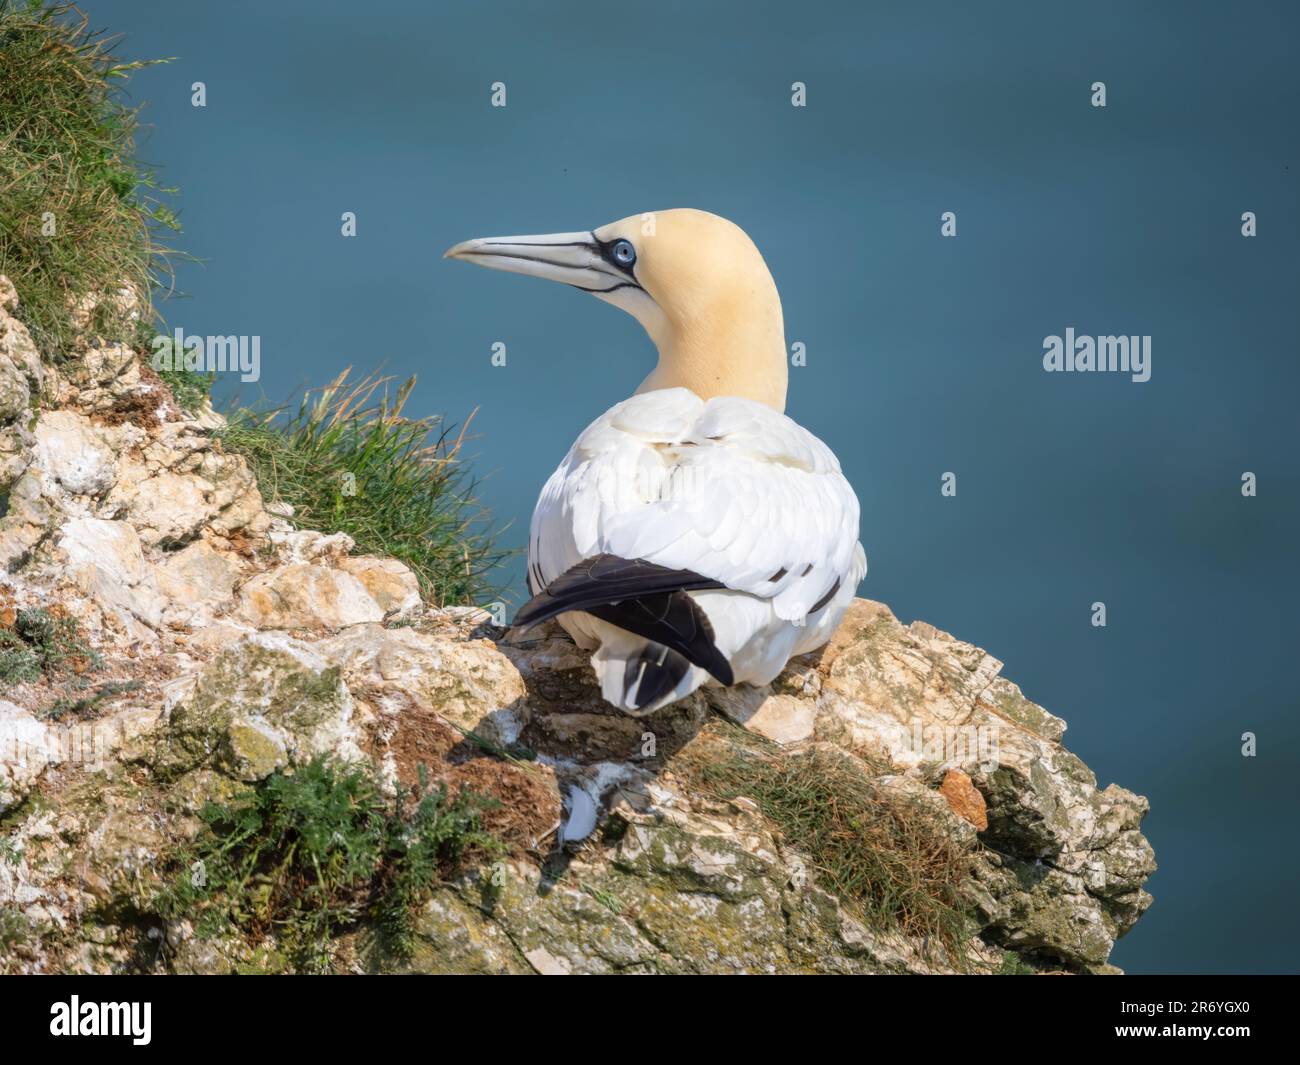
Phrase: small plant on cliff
(1014, 965)
(80, 215)
(190, 388)
(348, 460)
(42, 642)
(80, 705)
(15, 930)
(307, 855)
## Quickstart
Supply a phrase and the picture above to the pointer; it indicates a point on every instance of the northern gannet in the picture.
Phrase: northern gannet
(693, 534)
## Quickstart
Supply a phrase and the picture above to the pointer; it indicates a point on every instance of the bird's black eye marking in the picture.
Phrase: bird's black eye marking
(621, 255)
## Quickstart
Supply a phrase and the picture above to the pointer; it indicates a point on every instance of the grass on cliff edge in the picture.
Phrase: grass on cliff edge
(80, 214)
(884, 854)
(306, 856)
(347, 460)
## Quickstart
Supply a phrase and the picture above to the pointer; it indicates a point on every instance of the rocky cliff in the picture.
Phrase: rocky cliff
(168, 641)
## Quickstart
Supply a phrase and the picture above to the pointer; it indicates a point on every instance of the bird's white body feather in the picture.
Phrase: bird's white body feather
(728, 488)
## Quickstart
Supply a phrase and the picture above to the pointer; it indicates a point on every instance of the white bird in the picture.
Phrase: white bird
(693, 534)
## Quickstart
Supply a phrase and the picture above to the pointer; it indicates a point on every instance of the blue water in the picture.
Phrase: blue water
(924, 353)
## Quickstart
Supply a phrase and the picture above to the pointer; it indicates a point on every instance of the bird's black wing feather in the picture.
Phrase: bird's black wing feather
(640, 597)
(607, 579)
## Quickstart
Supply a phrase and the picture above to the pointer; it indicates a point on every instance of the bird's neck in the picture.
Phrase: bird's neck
(724, 355)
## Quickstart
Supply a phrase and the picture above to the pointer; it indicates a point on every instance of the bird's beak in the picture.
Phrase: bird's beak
(573, 258)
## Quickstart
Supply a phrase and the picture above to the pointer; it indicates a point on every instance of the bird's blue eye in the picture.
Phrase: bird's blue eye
(624, 253)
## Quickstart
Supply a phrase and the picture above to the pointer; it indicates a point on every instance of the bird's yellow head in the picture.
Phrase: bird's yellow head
(694, 280)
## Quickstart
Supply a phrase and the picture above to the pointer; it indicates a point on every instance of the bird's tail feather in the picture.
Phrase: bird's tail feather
(639, 677)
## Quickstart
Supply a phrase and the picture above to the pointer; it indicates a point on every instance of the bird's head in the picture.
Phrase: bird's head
(695, 281)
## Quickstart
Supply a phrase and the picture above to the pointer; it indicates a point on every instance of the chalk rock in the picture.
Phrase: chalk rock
(468, 683)
(390, 583)
(73, 458)
(267, 702)
(306, 596)
(106, 562)
(24, 752)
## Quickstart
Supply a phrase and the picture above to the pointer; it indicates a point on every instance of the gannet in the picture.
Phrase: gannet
(693, 534)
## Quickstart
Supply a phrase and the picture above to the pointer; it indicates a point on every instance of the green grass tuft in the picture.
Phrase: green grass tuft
(80, 215)
(190, 388)
(347, 460)
(884, 854)
(307, 855)
(1014, 965)
(606, 898)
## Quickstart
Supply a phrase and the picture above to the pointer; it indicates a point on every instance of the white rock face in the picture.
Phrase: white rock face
(72, 456)
(99, 377)
(197, 575)
(110, 546)
(783, 719)
(390, 583)
(92, 437)
(467, 682)
(306, 596)
(106, 562)
(168, 506)
(24, 752)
